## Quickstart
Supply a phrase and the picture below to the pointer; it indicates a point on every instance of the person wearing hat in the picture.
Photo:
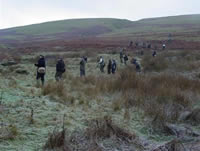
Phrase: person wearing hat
(41, 69)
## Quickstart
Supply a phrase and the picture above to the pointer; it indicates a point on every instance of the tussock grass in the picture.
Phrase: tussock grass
(161, 96)
(54, 88)
(56, 140)
(98, 130)
(8, 132)
(157, 64)
(58, 91)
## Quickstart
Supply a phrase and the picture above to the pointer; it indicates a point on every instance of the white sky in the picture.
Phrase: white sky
(23, 12)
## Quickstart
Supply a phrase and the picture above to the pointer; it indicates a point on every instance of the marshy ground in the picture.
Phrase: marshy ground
(148, 111)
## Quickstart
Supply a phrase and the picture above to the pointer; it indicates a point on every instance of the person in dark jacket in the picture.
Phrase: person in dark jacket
(136, 44)
(137, 67)
(41, 69)
(163, 47)
(85, 58)
(134, 61)
(130, 44)
(82, 66)
(125, 59)
(114, 66)
(149, 46)
(102, 64)
(109, 66)
(144, 45)
(121, 55)
(154, 54)
(60, 69)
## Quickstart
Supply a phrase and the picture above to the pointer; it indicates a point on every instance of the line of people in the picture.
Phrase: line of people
(60, 66)
(144, 45)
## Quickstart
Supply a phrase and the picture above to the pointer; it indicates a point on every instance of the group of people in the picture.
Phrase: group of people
(111, 67)
(144, 45)
(123, 57)
(60, 67)
(41, 69)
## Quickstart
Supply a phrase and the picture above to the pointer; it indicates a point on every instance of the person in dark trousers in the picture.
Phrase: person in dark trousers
(144, 45)
(121, 56)
(149, 46)
(82, 66)
(114, 66)
(130, 44)
(163, 47)
(125, 59)
(109, 67)
(60, 69)
(137, 67)
(154, 54)
(133, 61)
(41, 69)
(102, 64)
(136, 44)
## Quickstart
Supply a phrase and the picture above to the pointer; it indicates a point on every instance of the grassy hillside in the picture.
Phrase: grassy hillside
(70, 25)
(184, 19)
(154, 28)
(175, 24)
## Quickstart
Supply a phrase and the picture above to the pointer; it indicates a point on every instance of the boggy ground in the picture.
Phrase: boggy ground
(155, 110)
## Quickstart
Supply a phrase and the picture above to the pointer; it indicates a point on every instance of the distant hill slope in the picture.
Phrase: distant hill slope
(70, 25)
(155, 27)
(184, 19)
(182, 27)
(64, 29)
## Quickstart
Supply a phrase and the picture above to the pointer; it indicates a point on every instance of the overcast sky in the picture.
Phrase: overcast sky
(23, 12)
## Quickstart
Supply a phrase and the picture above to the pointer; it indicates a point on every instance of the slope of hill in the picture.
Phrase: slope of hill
(65, 28)
(186, 27)
(69, 26)
(183, 19)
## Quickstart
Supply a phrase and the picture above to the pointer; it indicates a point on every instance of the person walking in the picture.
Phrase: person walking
(125, 59)
(82, 66)
(41, 69)
(60, 69)
(109, 67)
(102, 64)
(114, 66)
